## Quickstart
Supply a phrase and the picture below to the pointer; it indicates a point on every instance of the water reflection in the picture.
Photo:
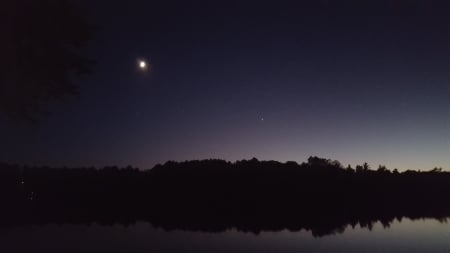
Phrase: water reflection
(422, 235)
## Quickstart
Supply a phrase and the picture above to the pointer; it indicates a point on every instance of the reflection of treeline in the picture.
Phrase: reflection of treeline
(213, 195)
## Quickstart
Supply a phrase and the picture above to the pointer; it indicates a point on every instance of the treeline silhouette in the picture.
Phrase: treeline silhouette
(319, 195)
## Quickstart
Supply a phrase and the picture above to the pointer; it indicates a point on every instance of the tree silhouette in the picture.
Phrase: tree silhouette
(366, 166)
(382, 168)
(215, 195)
(40, 55)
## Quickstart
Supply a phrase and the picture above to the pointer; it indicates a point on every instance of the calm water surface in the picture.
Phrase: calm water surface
(426, 235)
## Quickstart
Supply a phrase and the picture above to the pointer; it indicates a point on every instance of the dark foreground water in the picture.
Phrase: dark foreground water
(424, 235)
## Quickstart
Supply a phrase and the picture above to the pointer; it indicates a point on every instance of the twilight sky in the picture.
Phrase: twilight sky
(234, 79)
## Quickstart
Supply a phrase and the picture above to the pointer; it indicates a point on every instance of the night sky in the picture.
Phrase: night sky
(233, 80)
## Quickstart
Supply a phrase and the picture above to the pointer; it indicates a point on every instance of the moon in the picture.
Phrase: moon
(142, 64)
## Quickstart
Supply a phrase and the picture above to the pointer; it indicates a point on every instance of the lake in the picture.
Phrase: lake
(405, 235)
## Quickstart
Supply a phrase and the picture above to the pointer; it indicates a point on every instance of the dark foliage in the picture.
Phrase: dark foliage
(40, 54)
(214, 195)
